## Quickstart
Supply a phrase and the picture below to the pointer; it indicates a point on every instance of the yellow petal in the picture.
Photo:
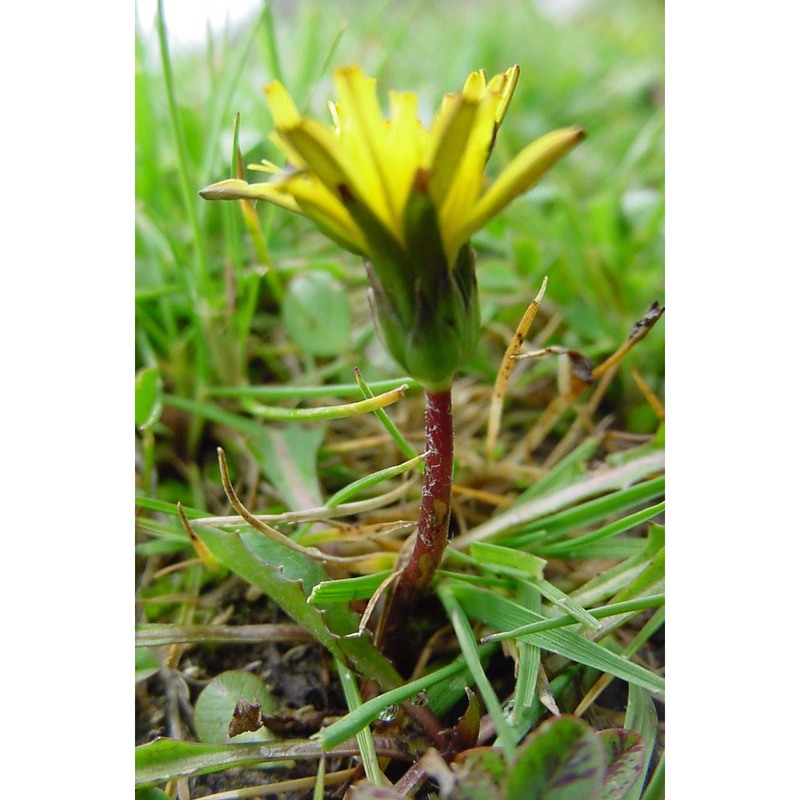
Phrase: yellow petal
(363, 135)
(467, 181)
(504, 85)
(519, 176)
(284, 111)
(451, 144)
(406, 144)
(474, 85)
(441, 121)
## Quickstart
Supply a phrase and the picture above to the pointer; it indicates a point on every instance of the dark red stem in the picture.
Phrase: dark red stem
(434, 516)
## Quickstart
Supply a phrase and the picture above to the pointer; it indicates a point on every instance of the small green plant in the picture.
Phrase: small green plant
(407, 200)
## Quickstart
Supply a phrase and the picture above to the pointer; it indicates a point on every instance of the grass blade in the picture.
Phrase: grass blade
(655, 789)
(469, 650)
(277, 414)
(556, 526)
(530, 569)
(566, 472)
(596, 483)
(366, 745)
(571, 548)
(499, 612)
(612, 610)
(371, 480)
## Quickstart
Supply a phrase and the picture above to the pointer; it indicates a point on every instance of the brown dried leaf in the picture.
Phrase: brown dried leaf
(246, 717)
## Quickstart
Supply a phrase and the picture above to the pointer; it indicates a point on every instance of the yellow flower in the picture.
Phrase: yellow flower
(405, 198)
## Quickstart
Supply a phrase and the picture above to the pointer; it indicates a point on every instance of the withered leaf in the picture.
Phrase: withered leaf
(246, 717)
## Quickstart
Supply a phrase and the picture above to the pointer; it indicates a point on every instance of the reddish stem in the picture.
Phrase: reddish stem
(434, 516)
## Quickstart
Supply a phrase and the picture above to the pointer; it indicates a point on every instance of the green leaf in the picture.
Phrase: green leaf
(650, 579)
(287, 455)
(571, 548)
(567, 471)
(528, 658)
(349, 725)
(215, 705)
(316, 314)
(148, 397)
(280, 583)
(562, 760)
(146, 664)
(373, 479)
(618, 578)
(353, 391)
(510, 561)
(444, 695)
(625, 757)
(601, 612)
(391, 428)
(556, 526)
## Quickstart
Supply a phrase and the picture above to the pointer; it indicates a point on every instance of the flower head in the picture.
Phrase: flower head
(406, 199)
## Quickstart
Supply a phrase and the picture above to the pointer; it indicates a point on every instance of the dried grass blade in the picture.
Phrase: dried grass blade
(506, 365)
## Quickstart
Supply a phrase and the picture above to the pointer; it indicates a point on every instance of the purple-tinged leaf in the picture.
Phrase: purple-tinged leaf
(625, 752)
(561, 760)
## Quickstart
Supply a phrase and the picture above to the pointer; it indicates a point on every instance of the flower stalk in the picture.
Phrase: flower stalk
(434, 515)
(433, 526)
